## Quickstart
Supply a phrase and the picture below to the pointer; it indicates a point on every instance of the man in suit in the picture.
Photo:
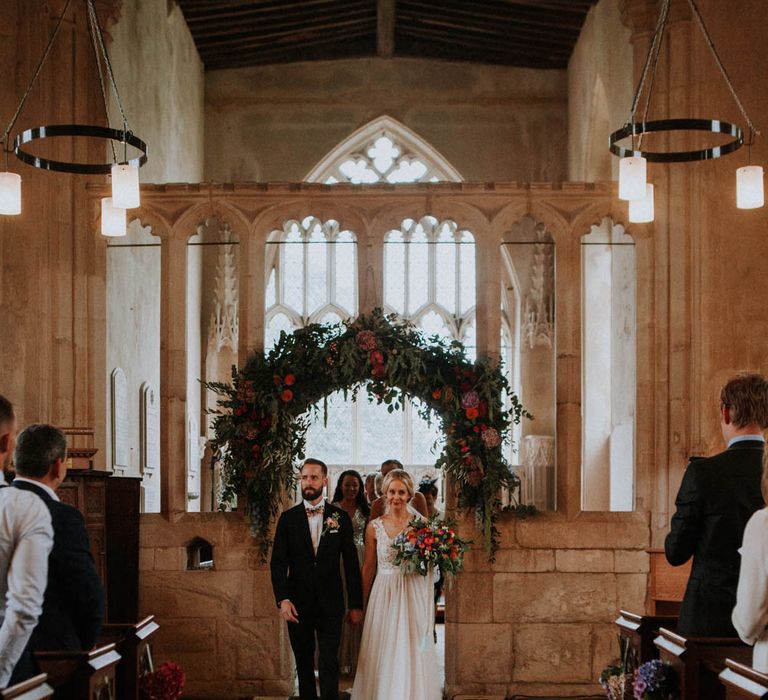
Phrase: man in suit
(311, 541)
(26, 538)
(717, 497)
(73, 606)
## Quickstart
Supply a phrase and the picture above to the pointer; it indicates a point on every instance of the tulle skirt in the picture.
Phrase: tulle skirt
(397, 653)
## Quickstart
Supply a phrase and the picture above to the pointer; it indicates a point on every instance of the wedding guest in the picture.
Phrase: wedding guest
(370, 487)
(377, 483)
(26, 539)
(717, 497)
(418, 503)
(428, 487)
(350, 497)
(750, 616)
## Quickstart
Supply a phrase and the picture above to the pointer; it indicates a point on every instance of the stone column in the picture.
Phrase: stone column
(251, 302)
(173, 372)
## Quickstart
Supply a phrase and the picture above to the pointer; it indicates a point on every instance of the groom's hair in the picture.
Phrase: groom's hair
(312, 460)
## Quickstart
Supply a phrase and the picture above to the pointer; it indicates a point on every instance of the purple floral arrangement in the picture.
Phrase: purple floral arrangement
(655, 680)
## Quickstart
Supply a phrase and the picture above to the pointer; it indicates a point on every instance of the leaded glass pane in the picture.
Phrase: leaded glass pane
(317, 270)
(432, 323)
(270, 298)
(407, 171)
(346, 271)
(418, 270)
(445, 269)
(330, 318)
(332, 442)
(279, 322)
(358, 171)
(470, 340)
(292, 269)
(380, 432)
(383, 153)
(394, 271)
(423, 449)
(466, 273)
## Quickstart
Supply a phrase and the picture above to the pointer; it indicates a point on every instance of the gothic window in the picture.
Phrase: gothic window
(311, 276)
(608, 368)
(383, 151)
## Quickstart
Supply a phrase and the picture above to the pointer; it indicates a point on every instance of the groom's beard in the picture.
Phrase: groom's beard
(310, 494)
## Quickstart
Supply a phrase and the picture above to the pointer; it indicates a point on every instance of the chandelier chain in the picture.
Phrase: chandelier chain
(97, 55)
(16, 114)
(700, 21)
(107, 62)
(651, 59)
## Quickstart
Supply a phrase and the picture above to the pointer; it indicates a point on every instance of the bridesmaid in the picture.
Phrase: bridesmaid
(350, 495)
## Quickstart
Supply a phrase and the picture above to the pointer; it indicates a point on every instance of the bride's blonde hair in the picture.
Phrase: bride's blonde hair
(398, 475)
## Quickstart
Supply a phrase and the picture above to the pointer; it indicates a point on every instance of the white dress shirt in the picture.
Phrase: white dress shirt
(750, 616)
(315, 520)
(26, 539)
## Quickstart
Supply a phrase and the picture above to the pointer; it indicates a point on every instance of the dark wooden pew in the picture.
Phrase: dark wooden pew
(640, 631)
(32, 689)
(743, 681)
(81, 675)
(133, 645)
(699, 660)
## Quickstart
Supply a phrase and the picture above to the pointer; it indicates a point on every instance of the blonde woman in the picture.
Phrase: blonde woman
(397, 654)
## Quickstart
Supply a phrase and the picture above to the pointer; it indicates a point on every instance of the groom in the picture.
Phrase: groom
(310, 541)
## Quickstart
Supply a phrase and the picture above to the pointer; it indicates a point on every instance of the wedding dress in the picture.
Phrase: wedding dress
(397, 653)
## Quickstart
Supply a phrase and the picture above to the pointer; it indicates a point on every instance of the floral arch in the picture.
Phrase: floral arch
(265, 411)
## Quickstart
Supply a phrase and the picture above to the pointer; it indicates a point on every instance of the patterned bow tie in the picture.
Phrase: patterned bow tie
(314, 510)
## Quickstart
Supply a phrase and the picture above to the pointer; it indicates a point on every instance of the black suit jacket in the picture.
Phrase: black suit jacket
(313, 583)
(73, 607)
(717, 497)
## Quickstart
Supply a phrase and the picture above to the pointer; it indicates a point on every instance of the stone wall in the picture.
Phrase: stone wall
(492, 123)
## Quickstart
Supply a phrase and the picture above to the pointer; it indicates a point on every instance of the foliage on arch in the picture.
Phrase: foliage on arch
(264, 413)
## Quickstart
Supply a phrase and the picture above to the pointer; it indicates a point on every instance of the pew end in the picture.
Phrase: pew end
(77, 675)
(35, 688)
(742, 681)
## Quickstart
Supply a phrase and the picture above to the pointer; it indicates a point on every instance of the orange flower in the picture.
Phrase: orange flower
(289, 379)
(471, 413)
(436, 394)
(287, 395)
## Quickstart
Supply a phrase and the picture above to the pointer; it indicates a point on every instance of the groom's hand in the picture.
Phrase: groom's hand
(288, 611)
(355, 617)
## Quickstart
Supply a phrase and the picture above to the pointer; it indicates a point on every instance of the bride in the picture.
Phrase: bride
(397, 654)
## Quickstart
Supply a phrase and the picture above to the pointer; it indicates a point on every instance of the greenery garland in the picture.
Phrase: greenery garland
(264, 413)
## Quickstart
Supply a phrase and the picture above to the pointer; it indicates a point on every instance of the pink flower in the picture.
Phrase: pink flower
(470, 399)
(491, 437)
(366, 340)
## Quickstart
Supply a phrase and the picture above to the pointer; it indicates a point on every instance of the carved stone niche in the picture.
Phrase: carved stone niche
(538, 472)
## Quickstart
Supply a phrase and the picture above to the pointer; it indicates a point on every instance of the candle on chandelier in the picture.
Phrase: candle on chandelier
(10, 194)
(632, 178)
(125, 186)
(113, 219)
(749, 187)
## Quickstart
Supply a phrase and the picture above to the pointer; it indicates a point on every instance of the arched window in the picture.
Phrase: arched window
(311, 276)
(608, 368)
(383, 150)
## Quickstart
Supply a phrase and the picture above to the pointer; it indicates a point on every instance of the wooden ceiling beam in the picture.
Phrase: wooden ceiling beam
(385, 28)
(549, 21)
(256, 30)
(296, 35)
(204, 22)
(507, 48)
(296, 51)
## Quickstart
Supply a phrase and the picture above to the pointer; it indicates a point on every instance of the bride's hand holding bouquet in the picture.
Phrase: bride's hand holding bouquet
(428, 544)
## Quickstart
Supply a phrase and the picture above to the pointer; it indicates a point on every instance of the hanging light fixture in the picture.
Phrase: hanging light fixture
(113, 219)
(629, 165)
(125, 172)
(641, 210)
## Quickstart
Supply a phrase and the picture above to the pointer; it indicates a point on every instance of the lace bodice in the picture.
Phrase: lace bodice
(384, 552)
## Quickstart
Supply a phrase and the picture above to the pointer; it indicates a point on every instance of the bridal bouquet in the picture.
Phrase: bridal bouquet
(429, 543)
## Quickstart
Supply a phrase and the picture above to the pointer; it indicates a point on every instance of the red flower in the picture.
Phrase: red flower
(287, 395)
(379, 371)
(471, 413)
(289, 379)
(377, 358)
(366, 340)
(436, 394)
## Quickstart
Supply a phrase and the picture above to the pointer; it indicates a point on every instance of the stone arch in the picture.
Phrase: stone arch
(384, 124)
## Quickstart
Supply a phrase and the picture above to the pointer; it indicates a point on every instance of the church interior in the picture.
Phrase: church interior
(310, 161)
